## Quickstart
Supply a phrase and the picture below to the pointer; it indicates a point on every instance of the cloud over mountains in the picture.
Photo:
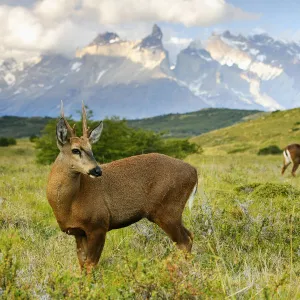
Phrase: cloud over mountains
(63, 25)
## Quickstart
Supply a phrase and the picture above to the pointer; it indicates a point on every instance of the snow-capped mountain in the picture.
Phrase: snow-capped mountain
(269, 67)
(133, 79)
(114, 77)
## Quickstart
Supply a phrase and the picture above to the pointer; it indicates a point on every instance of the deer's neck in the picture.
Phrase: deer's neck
(63, 187)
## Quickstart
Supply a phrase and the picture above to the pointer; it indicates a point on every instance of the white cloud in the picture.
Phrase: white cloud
(179, 41)
(258, 30)
(63, 25)
(187, 12)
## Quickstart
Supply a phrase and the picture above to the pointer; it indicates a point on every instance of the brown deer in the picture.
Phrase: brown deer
(291, 154)
(88, 201)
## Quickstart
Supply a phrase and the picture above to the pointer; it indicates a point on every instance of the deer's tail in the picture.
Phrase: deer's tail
(287, 156)
(192, 196)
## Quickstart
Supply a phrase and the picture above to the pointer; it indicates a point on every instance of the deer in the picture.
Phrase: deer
(291, 154)
(89, 200)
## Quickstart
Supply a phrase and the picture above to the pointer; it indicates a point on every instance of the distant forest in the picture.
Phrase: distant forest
(173, 125)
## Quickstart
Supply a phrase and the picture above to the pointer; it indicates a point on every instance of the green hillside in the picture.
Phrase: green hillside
(194, 123)
(17, 127)
(175, 125)
(277, 128)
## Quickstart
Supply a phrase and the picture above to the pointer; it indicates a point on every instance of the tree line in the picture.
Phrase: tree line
(117, 141)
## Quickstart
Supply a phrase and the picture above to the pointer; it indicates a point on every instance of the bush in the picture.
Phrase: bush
(269, 190)
(4, 141)
(33, 138)
(117, 141)
(273, 149)
(272, 190)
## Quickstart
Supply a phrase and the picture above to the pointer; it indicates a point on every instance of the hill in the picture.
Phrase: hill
(176, 125)
(194, 123)
(277, 128)
(17, 127)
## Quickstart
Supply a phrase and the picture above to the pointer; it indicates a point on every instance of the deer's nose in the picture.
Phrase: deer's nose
(96, 172)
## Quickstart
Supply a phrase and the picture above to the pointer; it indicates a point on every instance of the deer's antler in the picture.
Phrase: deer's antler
(71, 130)
(85, 128)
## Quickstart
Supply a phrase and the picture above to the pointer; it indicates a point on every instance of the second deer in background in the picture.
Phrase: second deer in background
(291, 154)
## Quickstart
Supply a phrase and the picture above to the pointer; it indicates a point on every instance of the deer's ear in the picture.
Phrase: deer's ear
(61, 132)
(96, 133)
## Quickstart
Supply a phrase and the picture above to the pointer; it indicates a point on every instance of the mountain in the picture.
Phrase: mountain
(129, 79)
(134, 79)
(254, 72)
(267, 69)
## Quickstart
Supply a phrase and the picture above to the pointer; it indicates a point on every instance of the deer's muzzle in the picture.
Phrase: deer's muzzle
(96, 172)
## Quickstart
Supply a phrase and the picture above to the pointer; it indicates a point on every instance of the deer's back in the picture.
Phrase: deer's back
(294, 150)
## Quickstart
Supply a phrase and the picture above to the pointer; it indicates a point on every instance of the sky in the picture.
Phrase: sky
(31, 27)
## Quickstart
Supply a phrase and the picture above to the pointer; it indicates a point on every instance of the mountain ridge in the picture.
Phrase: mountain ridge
(134, 79)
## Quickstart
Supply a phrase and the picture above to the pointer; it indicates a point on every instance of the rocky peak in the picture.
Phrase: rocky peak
(105, 38)
(261, 38)
(154, 40)
(195, 48)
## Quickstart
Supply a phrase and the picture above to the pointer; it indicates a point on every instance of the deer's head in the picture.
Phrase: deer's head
(78, 150)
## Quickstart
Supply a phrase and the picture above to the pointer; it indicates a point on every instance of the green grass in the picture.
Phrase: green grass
(245, 219)
(277, 128)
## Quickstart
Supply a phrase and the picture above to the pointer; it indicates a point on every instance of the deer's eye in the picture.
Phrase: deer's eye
(76, 151)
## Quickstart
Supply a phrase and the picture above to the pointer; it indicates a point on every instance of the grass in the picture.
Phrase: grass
(246, 222)
(277, 128)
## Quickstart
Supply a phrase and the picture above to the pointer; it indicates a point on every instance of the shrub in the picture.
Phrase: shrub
(33, 138)
(269, 190)
(273, 149)
(4, 141)
(272, 190)
(117, 141)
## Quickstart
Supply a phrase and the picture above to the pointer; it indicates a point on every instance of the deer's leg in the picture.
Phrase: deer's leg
(178, 234)
(95, 244)
(191, 236)
(81, 243)
(285, 165)
(295, 167)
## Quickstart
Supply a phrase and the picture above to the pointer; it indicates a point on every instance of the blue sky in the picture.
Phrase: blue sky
(280, 19)
(29, 27)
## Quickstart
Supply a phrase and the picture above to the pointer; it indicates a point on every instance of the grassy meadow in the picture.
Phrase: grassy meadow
(277, 128)
(245, 219)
